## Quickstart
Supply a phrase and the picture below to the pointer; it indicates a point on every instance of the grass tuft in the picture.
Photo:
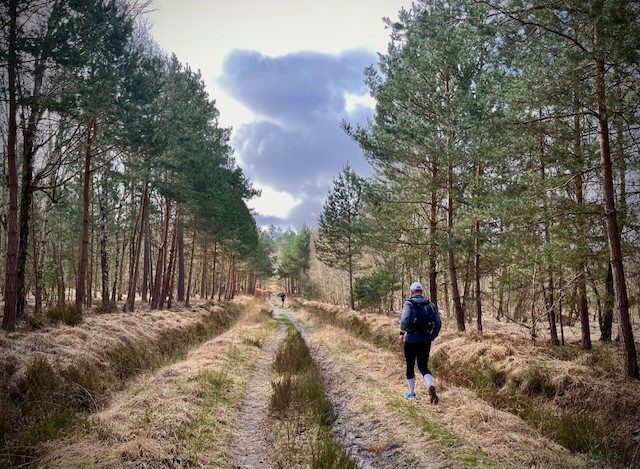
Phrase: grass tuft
(327, 453)
(535, 380)
(66, 313)
(301, 410)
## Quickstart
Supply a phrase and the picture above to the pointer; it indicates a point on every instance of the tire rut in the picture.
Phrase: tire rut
(251, 441)
(364, 436)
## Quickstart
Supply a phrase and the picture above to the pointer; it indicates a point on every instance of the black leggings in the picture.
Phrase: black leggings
(419, 351)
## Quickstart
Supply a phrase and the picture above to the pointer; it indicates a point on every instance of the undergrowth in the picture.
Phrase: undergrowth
(524, 394)
(66, 313)
(301, 410)
(46, 403)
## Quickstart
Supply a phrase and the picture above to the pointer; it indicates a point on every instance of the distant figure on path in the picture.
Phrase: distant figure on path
(282, 296)
(419, 324)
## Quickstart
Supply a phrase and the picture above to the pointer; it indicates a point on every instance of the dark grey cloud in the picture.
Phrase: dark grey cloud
(301, 85)
(296, 144)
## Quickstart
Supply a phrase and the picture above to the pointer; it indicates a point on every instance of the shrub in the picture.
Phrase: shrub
(326, 453)
(252, 342)
(293, 356)
(66, 313)
(84, 384)
(535, 380)
(35, 322)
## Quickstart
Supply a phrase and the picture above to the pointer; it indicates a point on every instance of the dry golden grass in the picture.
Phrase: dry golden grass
(93, 338)
(51, 379)
(180, 416)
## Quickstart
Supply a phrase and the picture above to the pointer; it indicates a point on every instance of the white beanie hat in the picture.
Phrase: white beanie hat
(416, 286)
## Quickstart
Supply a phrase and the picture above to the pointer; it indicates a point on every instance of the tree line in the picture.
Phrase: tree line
(506, 157)
(118, 181)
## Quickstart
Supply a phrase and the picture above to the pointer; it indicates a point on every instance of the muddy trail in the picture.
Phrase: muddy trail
(368, 439)
(212, 410)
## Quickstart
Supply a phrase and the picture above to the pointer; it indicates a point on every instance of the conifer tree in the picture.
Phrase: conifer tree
(339, 242)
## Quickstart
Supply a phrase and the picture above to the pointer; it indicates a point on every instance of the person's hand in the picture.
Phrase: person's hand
(401, 338)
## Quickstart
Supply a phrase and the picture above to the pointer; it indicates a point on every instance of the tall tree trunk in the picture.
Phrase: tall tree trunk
(146, 259)
(172, 262)
(167, 283)
(453, 276)
(228, 293)
(613, 232)
(478, 291)
(10, 294)
(620, 153)
(162, 252)
(26, 189)
(583, 305)
(38, 261)
(36, 112)
(193, 250)
(350, 257)
(203, 283)
(104, 255)
(433, 227)
(468, 274)
(221, 284)
(92, 131)
(59, 272)
(606, 326)
(135, 254)
(180, 260)
(213, 271)
(550, 296)
(116, 269)
(88, 301)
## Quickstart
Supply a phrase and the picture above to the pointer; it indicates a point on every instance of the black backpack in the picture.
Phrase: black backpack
(422, 318)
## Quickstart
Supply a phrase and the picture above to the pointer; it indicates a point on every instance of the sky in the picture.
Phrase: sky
(283, 74)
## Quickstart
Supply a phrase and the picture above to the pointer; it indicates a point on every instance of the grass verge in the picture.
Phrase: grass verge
(47, 403)
(453, 447)
(301, 411)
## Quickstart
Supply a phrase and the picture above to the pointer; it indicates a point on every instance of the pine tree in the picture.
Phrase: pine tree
(339, 227)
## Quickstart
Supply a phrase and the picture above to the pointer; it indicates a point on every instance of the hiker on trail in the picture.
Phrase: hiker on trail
(420, 324)
(282, 296)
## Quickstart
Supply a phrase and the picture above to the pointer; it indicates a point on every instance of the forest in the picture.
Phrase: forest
(113, 156)
(138, 286)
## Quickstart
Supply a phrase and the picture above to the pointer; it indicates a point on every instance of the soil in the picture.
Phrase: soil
(251, 440)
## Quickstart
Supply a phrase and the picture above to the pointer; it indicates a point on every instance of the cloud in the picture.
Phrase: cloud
(296, 145)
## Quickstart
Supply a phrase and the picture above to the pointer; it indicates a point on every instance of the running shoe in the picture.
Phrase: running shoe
(409, 395)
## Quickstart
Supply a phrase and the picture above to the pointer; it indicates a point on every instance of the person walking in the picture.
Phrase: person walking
(282, 296)
(419, 325)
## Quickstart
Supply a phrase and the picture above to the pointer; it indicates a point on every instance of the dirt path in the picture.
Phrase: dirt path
(251, 438)
(370, 440)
